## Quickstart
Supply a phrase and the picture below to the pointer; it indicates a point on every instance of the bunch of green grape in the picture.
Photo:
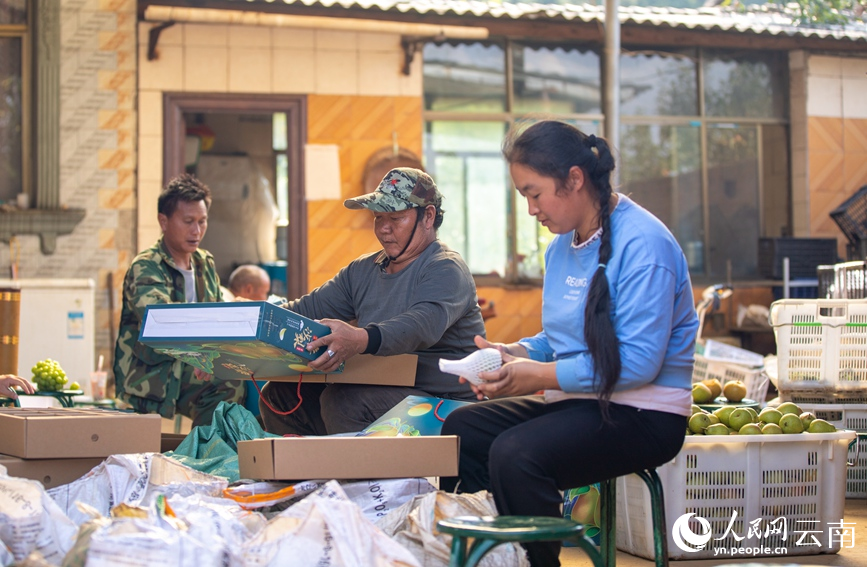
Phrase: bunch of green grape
(48, 376)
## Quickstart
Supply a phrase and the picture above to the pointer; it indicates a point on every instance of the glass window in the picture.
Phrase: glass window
(658, 84)
(747, 84)
(661, 170)
(464, 78)
(13, 12)
(733, 189)
(465, 160)
(11, 123)
(556, 80)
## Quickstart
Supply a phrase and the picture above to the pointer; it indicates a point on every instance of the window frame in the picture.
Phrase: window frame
(512, 277)
(24, 32)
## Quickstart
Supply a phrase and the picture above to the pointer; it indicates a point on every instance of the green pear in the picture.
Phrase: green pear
(695, 409)
(716, 429)
(754, 413)
(699, 422)
(739, 417)
(714, 419)
(789, 407)
(807, 418)
(771, 429)
(770, 415)
(821, 426)
(723, 413)
(750, 429)
(701, 394)
(791, 423)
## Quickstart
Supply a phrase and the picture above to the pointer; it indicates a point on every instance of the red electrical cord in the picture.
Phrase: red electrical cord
(267, 403)
(437, 409)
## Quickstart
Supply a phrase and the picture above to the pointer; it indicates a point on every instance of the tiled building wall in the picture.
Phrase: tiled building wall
(836, 138)
(97, 157)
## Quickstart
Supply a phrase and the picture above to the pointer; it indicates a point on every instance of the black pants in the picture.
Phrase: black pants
(525, 451)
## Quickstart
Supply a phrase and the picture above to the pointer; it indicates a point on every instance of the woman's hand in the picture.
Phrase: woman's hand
(344, 342)
(202, 375)
(517, 377)
(514, 349)
(10, 381)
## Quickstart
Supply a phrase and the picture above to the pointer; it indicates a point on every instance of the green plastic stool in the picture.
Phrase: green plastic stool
(608, 517)
(490, 532)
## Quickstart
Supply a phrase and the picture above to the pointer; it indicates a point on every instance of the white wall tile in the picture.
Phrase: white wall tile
(249, 70)
(150, 113)
(855, 98)
(150, 158)
(824, 96)
(336, 72)
(336, 40)
(249, 36)
(205, 34)
(378, 73)
(293, 71)
(295, 38)
(172, 35)
(853, 67)
(379, 42)
(797, 59)
(206, 68)
(147, 235)
(164, 73)
(824, 66)
(148, 192)
(411, 85)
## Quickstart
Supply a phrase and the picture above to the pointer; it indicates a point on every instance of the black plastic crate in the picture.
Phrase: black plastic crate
(804, 254)
(851, 216)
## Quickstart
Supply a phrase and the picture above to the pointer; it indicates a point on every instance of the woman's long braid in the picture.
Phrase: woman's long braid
(599, 330)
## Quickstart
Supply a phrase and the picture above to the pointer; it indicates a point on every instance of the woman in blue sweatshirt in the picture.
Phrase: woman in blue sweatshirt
(615, 355)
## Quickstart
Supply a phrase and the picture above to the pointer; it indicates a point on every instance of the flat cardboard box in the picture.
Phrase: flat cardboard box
(342, 458)
(398, 370)
(71, 433)
(233, 340)
(50, 472)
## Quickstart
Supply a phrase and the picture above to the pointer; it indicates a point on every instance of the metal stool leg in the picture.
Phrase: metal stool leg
(459, 551)
(608, 529)
(657, 502)
(596, 557)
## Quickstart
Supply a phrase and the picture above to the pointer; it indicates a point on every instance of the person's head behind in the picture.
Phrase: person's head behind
(250, 281)
(553, 149)
(182, 211)
(406, 199)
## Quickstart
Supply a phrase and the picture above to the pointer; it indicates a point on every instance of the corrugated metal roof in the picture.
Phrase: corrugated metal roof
(762, 19)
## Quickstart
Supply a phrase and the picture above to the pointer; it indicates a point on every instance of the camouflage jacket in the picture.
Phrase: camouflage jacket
(150, 381)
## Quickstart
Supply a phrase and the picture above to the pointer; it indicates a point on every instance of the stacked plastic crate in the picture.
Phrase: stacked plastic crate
(822, 366)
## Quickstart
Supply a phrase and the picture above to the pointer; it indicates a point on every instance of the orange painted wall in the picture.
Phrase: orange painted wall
(838, 168)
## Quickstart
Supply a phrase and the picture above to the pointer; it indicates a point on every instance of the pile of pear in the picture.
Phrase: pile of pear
(733, 420)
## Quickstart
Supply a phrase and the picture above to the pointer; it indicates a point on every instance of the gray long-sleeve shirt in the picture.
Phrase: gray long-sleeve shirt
(429, 308)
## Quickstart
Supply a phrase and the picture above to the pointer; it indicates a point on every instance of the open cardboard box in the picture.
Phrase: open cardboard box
(50, 472)
(398, 370)
(308, 458)
(71, 433)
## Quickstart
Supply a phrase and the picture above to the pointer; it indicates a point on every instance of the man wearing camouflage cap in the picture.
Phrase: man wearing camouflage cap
(414, 296)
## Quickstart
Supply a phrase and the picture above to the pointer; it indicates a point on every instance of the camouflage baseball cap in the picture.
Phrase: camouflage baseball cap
(402, 188)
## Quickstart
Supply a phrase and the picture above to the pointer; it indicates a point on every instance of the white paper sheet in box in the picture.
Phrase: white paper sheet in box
(799, 477)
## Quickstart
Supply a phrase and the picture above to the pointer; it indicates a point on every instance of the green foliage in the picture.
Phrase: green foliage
(828, 12)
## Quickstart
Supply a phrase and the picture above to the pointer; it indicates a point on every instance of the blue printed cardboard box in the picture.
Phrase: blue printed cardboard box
(234, 340)
(413, 416)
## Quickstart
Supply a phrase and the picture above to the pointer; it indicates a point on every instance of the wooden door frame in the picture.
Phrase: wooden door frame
(295, 107)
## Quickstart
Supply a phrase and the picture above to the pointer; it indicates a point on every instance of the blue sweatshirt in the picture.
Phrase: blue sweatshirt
(652, 305)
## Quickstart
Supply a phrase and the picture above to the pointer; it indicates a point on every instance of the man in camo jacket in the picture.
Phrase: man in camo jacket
(174, 270)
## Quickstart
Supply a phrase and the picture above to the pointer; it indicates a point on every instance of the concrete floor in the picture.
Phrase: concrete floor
(856, 556)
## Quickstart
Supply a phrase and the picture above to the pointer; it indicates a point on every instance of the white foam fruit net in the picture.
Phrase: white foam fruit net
(483, 360)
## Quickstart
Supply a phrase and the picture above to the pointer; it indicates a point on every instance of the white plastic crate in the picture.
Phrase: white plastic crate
(821, 349)
(759, 479)
(854, 417)
(754, 379)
